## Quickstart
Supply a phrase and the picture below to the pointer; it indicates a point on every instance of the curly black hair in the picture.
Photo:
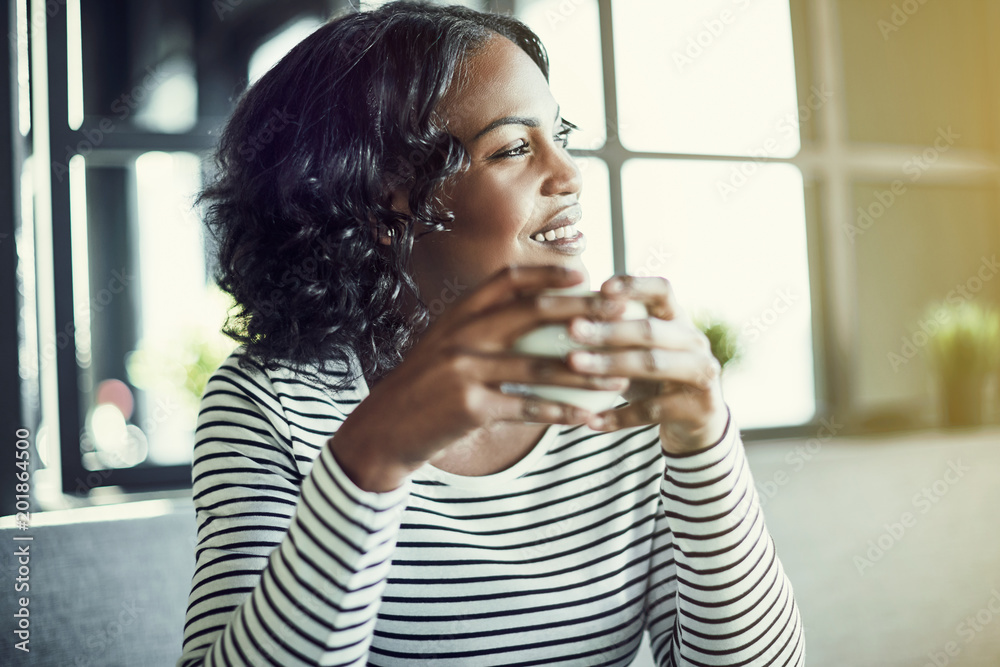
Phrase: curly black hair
(304, 172)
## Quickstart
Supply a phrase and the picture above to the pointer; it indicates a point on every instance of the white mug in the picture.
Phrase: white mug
(553, 340)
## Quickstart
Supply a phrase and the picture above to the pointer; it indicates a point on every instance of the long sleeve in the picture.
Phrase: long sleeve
(317, 594)
(718, 594)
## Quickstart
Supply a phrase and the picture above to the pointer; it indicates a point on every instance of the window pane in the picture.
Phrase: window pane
(144, 82)
(105, 299)
(181, 310)
(572, 36)
(714, 78)
(743, 260)
(147, 320)
(596, 222)
(270, 52)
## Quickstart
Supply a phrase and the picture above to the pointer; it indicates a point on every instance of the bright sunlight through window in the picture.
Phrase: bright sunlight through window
(696, 80)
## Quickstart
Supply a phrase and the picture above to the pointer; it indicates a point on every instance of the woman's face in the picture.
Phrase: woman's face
(521, 180)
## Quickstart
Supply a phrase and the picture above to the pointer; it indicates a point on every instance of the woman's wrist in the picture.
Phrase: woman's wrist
(709, 437)
(367, 464)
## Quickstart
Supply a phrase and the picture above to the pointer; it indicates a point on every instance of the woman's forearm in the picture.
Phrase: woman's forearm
(734, 604)
(289, 569)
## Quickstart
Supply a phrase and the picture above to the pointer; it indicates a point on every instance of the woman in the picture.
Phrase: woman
(364, 489)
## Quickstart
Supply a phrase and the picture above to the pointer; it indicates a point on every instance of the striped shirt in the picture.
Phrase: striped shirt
(565, 558)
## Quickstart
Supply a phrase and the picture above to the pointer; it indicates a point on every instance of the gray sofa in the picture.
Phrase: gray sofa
(108, 585)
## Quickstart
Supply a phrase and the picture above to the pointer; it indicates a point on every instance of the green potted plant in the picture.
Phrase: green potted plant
(179, 363)
(723, 338)
(964, 352)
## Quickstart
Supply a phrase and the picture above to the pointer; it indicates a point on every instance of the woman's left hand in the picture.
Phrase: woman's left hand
(675, 378)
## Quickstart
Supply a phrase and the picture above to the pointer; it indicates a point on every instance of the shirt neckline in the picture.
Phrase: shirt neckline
(479, 482)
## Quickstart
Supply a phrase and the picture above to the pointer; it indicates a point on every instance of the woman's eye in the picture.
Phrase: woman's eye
(562, 137)
(520, 149)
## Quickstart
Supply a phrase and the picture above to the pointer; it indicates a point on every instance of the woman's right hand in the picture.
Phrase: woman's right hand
(449, 383)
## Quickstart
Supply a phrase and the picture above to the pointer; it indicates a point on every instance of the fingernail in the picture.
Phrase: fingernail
(588, 361)
(605, 422)
(616, 286)
(548, 302)
(586, 331)
(606, 307)
(611, 384)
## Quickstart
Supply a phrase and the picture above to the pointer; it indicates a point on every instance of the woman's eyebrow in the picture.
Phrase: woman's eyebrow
(510, 120)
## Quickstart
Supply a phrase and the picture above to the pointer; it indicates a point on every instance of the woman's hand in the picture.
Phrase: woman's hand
(448, 385)
(676, 380)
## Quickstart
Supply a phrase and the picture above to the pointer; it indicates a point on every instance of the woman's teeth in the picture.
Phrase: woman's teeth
(553, 234)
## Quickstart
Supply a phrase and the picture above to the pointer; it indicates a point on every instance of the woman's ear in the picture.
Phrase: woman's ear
(398, 202)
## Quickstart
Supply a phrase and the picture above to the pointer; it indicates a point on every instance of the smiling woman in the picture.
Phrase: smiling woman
(366, 490)
(519, 182)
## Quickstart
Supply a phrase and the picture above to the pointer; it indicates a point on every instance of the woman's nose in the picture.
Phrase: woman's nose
(564, 175)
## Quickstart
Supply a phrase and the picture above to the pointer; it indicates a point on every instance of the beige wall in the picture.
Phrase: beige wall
(930, 241)
(903, 81)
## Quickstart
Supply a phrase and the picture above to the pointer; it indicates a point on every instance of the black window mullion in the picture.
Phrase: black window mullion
(12, 417)
(76, 479)
(62, 340)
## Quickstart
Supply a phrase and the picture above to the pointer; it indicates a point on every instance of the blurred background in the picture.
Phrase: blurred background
(819, 180)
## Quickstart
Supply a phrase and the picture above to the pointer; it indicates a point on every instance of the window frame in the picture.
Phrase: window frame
(615, 155)
(829, 161)
(120, 147)
(61, 410)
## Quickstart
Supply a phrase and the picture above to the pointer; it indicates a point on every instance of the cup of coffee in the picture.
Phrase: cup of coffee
(553, 340)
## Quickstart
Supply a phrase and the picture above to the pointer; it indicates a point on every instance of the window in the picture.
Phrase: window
(119, 319)
(692, 154)
(694, 129)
